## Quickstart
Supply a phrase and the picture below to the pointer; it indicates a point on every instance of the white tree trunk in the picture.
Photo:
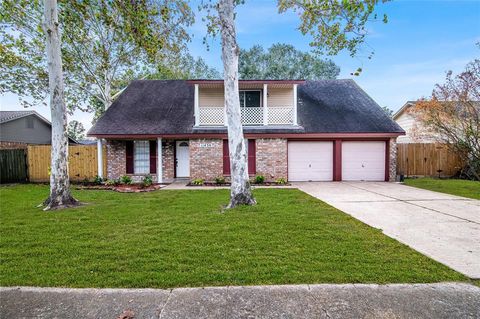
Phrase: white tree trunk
(60, 195)
(240, 191)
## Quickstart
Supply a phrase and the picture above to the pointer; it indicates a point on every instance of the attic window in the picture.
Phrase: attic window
(29, 122)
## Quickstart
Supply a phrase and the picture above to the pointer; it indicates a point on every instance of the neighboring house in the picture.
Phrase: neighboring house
(20, 128)
(328, 130)
(413, 129)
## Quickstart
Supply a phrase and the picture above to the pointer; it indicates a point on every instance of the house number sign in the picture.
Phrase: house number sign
(206, 145)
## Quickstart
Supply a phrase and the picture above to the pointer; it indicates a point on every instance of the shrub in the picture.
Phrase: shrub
(198, 181)
(281, 181)
(259, 179)
(85, 182)
(125, 179)
(220, 180)
(97, 180)
(111, 182)
(147, 180)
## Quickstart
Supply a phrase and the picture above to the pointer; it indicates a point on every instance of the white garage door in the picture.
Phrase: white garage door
(310, 161)
(363, 161)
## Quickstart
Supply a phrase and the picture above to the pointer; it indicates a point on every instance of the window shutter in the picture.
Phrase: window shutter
(251, 157)
(129, 157)
(153, 157)
(226, 158)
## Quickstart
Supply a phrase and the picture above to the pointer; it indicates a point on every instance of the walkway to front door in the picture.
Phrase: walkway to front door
(443, 227)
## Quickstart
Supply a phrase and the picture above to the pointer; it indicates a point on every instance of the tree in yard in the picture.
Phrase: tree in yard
(387, 111)
(76, 130)
(106, 44)
(452, 116)
(60, 195)
(333, 26)
(284, 61)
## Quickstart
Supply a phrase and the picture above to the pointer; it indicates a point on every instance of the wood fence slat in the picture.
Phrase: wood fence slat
(82, 162)
(425, 159)
(13, 168)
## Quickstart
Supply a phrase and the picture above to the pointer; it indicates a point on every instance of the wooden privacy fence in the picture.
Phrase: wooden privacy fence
(426, 159)
(13, 166)
(82, 162)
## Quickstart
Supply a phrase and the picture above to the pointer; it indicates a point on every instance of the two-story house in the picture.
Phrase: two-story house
(328, 130)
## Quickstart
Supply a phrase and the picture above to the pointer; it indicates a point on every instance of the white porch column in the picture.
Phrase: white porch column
(159, 161)
(295, 104)
(196, 107)
(99, 158)
(265, 104)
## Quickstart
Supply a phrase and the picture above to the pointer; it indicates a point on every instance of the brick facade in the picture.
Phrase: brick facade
(393, 159)
(12, 145)
(168, 162)
(116, 161)
(206, 158)
(272, 158)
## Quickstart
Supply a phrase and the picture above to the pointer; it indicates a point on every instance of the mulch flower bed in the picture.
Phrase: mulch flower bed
(213, 184)
(132, 188)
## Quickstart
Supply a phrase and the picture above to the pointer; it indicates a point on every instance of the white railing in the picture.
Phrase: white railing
(212, 115)
(252, 115)
(277, 115)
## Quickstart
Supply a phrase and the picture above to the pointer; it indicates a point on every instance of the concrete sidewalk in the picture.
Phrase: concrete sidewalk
(447, 300)
(444, 227)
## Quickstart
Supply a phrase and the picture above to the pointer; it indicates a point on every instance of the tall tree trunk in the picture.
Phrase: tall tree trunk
(240, 191)
(60, 195)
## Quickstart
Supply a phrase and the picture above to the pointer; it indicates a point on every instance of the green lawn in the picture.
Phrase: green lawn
(181, 238)
(459, 187)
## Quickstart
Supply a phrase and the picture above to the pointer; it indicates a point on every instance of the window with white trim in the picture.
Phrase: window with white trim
(141, 157)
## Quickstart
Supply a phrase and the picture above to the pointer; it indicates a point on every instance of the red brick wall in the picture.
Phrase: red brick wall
(168, 160)
(12, 145)
(272, 158)
(116, 159)
(206, 158)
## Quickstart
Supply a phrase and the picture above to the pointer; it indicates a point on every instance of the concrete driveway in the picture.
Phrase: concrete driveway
(443, 227)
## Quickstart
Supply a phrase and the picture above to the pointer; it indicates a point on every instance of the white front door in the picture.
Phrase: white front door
(363, 161)
(183, 159)
(310, 161)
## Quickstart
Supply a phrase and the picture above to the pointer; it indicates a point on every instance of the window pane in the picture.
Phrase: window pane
(242, 98)
(252, 99)
(141, 157)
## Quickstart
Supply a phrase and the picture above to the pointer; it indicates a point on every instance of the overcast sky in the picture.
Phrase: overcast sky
(422, 40)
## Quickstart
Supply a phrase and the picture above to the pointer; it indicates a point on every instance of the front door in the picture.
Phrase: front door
(183, 159)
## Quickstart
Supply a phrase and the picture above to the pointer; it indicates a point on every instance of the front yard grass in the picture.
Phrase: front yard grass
(180, 238)
(459, 187)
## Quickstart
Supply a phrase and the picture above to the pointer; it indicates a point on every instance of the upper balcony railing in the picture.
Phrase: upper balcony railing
(262, 102)
(276, 115)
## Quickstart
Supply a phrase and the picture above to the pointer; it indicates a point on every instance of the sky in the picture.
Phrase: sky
(422, 40)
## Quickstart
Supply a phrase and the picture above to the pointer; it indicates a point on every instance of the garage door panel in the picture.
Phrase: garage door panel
(310, 161)
(363, 161)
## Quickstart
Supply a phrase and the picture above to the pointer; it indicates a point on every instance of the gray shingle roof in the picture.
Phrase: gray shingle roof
(156, 107)
(6, 116)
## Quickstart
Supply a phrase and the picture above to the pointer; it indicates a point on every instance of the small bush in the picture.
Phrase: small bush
(198, 181)
(281, 181)
(220, 180)
(125, 179)
(85, 182)
(97, 180)
(111, 182)
(147, 180)
(259, 179)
